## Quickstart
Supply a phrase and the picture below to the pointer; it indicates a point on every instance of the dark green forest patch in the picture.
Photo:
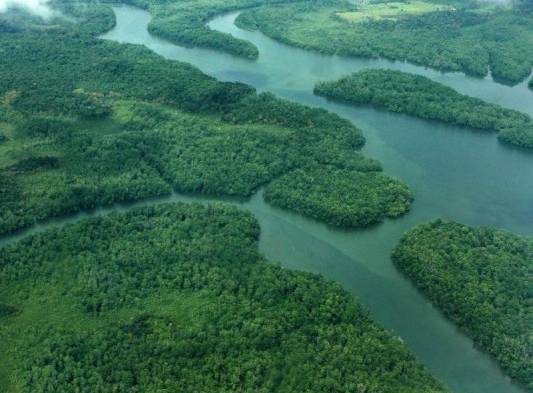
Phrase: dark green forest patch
(419, 96)
(177, 297)
(481, 279)
(355, 197)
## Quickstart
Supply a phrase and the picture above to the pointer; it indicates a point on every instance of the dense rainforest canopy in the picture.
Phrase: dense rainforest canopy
(480, 278)
(340, 197)
(448, 35)
(419, 96)
(87, 123)
(177, 298)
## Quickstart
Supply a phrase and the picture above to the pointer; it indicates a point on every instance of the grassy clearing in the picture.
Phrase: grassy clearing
(391, 11)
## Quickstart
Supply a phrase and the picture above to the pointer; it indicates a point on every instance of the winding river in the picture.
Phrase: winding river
(455, 173)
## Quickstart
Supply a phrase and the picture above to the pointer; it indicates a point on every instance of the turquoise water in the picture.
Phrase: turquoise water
(455, 173)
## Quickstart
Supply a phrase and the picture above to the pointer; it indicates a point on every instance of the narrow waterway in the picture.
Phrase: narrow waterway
(455, 173)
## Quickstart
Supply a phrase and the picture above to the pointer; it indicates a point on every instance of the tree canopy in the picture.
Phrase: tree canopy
(349, 197)
(177, 297)
(481, 279)
(419, 96)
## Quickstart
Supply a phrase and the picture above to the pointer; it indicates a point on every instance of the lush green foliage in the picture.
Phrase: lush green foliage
(90, 123)
(177, 298)
(353, 197)
(481, 279)
(419, 96)
(467, 39)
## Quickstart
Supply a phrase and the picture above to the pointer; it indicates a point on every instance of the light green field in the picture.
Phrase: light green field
(391, 11)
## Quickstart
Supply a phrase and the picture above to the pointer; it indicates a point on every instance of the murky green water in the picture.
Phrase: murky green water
(455, 173)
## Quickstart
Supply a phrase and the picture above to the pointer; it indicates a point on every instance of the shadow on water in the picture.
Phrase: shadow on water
(454, 173)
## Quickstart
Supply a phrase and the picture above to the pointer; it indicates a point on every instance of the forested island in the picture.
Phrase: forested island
(184, 23)
(115, 123)
(419, 96)
(176, 297)
(449, 35)
(481, 279)
(340, 197)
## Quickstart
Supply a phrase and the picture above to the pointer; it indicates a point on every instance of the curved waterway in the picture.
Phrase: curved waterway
(455, 173)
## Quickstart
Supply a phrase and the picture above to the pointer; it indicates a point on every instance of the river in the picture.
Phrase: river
(454, 173)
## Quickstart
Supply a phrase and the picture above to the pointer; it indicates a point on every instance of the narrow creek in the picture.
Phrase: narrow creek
(455, 174)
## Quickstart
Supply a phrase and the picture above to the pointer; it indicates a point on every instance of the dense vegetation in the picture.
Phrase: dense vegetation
(177, 297)
(419, 96)
(480, 278)
(88, 123)
(340, 197)
(469, 37)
